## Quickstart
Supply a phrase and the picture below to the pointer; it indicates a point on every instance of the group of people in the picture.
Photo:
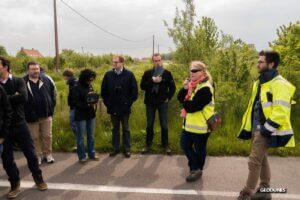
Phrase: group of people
(27, 107)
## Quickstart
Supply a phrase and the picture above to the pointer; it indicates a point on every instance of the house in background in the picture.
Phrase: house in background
(31, 53)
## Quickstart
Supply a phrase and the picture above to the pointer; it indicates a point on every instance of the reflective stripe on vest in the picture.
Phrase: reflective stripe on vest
(282, 133)
(269, 127)
(200, 128)
(275, 103)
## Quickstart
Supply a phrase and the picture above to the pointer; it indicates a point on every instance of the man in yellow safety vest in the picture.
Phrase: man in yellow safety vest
(267, 122)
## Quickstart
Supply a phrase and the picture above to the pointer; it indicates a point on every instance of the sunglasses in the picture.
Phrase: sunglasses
(195, 70)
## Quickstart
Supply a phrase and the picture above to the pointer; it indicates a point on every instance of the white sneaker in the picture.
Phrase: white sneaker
(39, 160)
(49, 159)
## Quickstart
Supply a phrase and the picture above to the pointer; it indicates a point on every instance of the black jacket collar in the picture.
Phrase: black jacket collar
(267, 76)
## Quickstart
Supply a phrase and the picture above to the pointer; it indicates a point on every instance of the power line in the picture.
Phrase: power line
(99, 27)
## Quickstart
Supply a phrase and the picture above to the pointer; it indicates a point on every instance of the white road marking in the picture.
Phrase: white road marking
(120, 189)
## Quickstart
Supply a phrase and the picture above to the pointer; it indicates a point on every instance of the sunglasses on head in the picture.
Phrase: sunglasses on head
(195, 70)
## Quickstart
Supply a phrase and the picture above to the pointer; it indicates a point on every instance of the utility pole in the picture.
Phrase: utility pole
(56, 38)
(153, 46)
(158, 48)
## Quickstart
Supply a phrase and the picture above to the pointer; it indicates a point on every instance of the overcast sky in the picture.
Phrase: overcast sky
(29, 24)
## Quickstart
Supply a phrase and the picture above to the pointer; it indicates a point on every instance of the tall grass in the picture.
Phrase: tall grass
(230, 102)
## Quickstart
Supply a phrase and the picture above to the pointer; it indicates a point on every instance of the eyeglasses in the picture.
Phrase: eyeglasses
(116, 62)
(261, 62)
(156, 60)
(195, 70)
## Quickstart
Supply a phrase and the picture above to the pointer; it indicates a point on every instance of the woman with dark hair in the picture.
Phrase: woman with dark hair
(85, 102)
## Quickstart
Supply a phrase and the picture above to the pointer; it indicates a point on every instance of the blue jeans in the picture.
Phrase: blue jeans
(72, 121)
(163, 119)
(87, 126)
(194, 147)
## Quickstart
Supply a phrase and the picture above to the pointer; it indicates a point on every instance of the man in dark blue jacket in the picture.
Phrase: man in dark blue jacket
(119, 90)
(5, 117)
(39, 110)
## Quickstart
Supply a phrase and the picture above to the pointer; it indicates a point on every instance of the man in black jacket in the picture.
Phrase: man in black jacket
(5, 117)
(159, 88)
(119, 91)
(39, 110)
(18, 132)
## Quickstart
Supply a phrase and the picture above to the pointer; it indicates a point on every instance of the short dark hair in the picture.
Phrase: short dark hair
(5, 62)
(155, 55)
(68, 73)
(32, 63)
(271, 57)
(86, 75)
(121, 59)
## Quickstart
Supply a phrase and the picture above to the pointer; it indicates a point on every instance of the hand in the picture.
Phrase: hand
(1, 140)
(159, 79)
(186, 84)
(156, 79)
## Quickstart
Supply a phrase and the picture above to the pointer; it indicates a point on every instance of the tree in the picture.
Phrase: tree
(3, 51)
(288, 46)
(193, 41)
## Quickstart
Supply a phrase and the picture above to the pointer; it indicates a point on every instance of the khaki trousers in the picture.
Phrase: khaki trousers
(41, 132)
(258, 164)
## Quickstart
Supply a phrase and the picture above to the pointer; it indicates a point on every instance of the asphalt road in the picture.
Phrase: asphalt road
(148, 177)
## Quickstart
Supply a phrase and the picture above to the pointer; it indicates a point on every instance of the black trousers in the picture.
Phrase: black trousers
(194, 148)
(116, 121)
(19, 134)
(163, 119)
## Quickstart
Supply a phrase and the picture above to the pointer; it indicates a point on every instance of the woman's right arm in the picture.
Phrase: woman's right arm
(181, 95)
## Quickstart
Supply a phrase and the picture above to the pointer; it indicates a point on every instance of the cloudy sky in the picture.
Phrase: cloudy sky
(29, 24)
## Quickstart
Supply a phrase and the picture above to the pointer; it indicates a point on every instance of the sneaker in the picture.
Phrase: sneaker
(167, 150)
(14, 190)
(146, 150)
(127, 154)
(83, 160)
(114, 153)
(39, 160)
(95, 158)
(194, 175)
(244, 196)
(49, 159)
(258, 195)
(40, 183)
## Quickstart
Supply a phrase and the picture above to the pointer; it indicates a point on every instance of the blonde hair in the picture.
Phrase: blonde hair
(200, 65)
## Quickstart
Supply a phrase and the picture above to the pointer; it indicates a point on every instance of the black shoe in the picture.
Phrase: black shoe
(244, 196)
(127, 154)
(167, 151)
(194, 175)
(146, 150)
(259, 195)
(14, 190)
(114, 153)
(94, 158)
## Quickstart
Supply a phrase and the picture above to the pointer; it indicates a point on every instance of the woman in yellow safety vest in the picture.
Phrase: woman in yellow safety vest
(197, 99)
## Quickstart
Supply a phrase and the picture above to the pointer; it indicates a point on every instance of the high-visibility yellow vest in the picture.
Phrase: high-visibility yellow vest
(196, 122)
(276, 99)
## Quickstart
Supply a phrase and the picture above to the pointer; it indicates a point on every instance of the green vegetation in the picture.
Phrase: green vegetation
(232, 64)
